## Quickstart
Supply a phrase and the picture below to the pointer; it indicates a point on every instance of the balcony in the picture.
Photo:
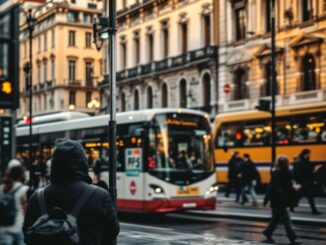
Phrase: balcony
(237, 105)
(209, 52)
(73, 83)
(50, 83)
(307, 97)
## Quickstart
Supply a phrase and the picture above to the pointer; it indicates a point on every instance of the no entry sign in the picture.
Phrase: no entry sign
(227, 88)
(132, 187)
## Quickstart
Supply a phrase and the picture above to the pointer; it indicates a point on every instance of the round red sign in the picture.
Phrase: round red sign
(227, 88)
(132, 187)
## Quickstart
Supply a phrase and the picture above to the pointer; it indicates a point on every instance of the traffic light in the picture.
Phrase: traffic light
(9, 57)
(264, 105)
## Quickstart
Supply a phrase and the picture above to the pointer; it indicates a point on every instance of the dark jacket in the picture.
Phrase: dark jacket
(248, 172)
(97, 220)
(303, 171)
(280, 191)
(234, 168)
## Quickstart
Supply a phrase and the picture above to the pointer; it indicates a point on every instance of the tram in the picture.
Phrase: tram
(297, 128)
(165, 160)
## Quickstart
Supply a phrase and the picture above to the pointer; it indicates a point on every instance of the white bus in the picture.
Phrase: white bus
(165, 159)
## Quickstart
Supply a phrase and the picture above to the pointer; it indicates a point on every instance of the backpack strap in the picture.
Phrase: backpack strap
(13, 192)
(41, 201)
(82, 200)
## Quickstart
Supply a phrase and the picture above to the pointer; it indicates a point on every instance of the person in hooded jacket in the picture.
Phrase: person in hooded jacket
(279, 190)
(234, 175)
(69, 178)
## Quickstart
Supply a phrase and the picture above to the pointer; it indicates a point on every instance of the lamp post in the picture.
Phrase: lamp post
(273, 84)
(30, 15)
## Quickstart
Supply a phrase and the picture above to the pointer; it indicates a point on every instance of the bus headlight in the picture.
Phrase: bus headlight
(212, 190)
(157, 189)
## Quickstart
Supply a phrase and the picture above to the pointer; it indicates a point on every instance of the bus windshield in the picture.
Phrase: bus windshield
(179, 143)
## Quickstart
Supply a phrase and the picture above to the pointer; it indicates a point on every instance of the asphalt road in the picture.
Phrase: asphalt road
(190, 229)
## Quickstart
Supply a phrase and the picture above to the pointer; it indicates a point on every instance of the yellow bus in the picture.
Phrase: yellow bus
(297, 127)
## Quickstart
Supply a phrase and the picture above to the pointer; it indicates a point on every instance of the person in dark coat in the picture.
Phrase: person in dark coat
(233, 175)
(279, 189)
(249, 178)
(69, 178)
(304, 175)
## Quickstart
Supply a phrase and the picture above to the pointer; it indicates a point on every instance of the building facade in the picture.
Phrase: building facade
(66, 64)
(166, 55)
(245, 52)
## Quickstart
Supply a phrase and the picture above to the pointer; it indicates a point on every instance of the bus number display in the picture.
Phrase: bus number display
(133, 158)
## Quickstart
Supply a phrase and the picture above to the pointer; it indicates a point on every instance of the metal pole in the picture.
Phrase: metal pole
(30, 24)
(112, 98)
(273, 85)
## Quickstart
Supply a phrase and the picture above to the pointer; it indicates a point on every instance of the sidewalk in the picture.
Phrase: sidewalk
(228, 208)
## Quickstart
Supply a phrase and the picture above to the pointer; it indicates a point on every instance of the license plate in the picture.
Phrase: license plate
(189, 205)
(188, 191)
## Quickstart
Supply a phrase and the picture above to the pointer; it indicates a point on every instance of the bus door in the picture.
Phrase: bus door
(131, 154)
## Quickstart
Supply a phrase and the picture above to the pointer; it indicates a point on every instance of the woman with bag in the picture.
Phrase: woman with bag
(12, 233)
(279, 194)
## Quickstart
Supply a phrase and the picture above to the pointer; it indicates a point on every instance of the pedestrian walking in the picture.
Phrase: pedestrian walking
(304, 175)
(70, 198)
(13, 200)
(279, 190)
(249, 179)
(233, 175)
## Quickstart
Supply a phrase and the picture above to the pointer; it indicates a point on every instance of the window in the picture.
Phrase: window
(45, 70)
(307, 10)
(72, 70)
(267, 15)
(124, 4)
(136, 100)
(87, 18)
(183, 93)
(45, 102)
(137, 48)
(88, 97)
(73, 1)
(207, 28)
(150, 39)
(149, 97)
(123, 101)
(52, 38)
(52, 69)
(230, 135)
(309, 76)
(88, 40)
(164, 95)
(39, 72)
(268, 80)
(73, 16)
(240, 22)
(72, 98)
(184, 37)
(45, 40)
(123, 46)
(207, 90)
(309, 128)
(39, 44)
(240, 88)
(89, 73)
(165, 38)
(71, 41)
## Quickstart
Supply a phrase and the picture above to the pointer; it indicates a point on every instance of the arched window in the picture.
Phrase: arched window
(149, 97)
(183, 93)
(268, 79)
(309, 76)
(240, 89)
(207, 90)
(123, 101)
(164, 95)
(136, 100)
(307, 10)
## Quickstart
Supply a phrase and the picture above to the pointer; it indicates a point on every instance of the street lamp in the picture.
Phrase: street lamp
(30, 16)
(107, 29)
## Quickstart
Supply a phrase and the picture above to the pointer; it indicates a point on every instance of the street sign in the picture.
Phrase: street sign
(227, 88)
(5, 142)
(9, 58)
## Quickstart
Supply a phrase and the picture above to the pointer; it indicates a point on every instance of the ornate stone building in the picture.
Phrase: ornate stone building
(166, 55)
(66, 64)
(244, 52)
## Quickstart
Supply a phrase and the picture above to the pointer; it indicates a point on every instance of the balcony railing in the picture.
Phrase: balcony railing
(75, 83)
(307, 97)
(168, 63)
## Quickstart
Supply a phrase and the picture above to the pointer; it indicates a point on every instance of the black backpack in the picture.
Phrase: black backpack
(8, 210)
(56, 226)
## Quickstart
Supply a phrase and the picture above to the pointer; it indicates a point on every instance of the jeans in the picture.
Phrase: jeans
(251, 189)
(8, 238)
(277, 215)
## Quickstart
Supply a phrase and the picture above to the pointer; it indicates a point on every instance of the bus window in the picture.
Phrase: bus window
(283, 132)
(230, 135)
(256, 133)
(308, 129)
